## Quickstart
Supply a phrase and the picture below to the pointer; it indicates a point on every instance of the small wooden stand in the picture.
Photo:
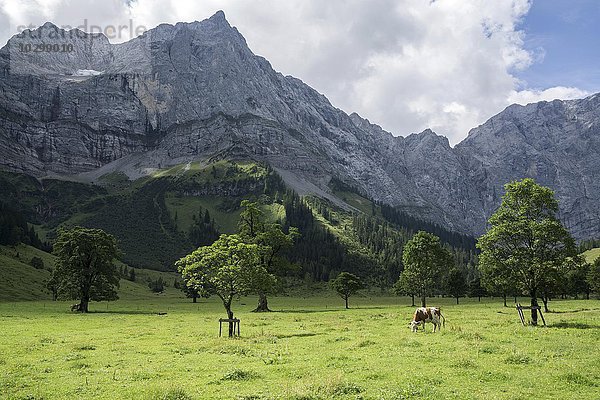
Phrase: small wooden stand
(520, 309)
(234, 321)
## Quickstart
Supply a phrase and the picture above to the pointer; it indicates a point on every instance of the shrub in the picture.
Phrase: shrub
(157, 286)
(37, 263)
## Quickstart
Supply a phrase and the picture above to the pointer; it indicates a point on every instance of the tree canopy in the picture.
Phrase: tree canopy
(272, 242)
(84, 267)
(577, 276)
(456, 283)
(593, 276)
(526, 242)
(425, 262)
(251, 220)
(227, 269)
(496, 279)
(406, 285)
(345, 285)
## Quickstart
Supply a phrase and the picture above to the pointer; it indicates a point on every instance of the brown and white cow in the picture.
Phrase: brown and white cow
(427, 314)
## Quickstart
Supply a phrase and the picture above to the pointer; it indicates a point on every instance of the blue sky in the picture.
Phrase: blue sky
(568, 31)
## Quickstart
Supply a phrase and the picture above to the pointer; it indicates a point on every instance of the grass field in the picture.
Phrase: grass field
(310, 349)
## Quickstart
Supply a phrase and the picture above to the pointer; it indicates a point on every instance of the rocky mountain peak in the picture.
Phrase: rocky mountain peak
(216, 23)
(196, 92)
(53, 33)
(219, 18)
(428, 139)
(81, 51)
(49, 50)
(369, 127)
(48, 26)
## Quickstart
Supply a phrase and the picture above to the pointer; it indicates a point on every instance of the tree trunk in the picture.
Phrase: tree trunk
(346, 299)
(84, 304)
(456, 299)
(587, 295)
(263, 305)
(545, 299)
(194, 299)
(230, 316)
(412, 297)
(534, 313)
(423, 303)
(504, 298)
(479, 298)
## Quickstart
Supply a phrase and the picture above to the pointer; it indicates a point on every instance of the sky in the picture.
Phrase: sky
(406, 65)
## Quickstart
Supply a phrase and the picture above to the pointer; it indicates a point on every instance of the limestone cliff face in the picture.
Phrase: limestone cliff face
(557, 143)
(195, 91)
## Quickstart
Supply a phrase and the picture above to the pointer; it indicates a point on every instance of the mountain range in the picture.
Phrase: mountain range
(195, 92)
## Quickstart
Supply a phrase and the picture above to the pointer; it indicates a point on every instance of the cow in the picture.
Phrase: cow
(427, 314)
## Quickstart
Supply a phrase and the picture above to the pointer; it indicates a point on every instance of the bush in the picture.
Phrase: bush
(37, 263)
(157, 286)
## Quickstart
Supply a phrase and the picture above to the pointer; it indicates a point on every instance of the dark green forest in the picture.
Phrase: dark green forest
(14, 229)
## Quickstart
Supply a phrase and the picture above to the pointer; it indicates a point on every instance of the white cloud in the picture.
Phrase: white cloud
(404, 64)
(525, 97)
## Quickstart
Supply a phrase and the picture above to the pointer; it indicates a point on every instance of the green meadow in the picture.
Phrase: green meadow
(592, 255)
(310, 348)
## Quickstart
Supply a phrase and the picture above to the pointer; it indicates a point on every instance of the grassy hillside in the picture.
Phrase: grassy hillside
(183, 208)
(592, 255)
(355, 200)
(139, 290)
(20, 281)
(310, 349)
(151, 216)
(186, 207)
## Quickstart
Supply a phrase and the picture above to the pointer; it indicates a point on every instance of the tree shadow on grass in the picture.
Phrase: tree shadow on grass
(573, 311)
(573, 325)
(308, 334)
(127, 312)
(304, 311)
(328, 310)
